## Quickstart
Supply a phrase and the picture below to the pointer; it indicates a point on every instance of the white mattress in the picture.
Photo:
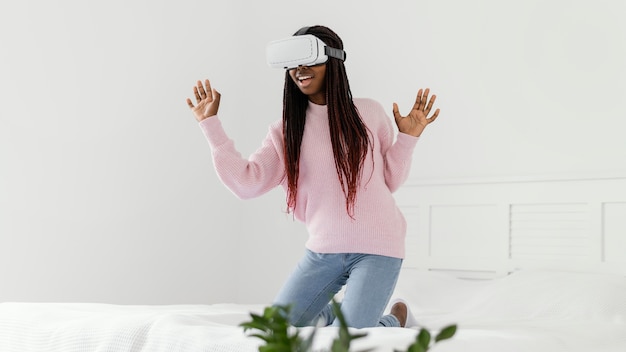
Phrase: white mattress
(526, 311)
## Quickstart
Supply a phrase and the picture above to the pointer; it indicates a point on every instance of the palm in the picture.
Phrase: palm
(417, 120)
(414, 122)
(203, 108)
(207, 101)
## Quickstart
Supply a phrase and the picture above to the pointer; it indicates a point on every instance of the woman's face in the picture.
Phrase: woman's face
(311, 81)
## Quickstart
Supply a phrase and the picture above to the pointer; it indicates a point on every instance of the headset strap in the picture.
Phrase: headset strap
(336, 53)
(302, 30)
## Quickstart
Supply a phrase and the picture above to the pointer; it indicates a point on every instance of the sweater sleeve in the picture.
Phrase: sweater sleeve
(397, 155)
(246, 178)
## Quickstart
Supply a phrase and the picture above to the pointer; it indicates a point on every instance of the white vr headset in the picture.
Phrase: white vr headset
(305, 50)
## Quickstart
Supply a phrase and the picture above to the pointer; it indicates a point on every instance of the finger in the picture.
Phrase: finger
(424, 99)
(200, 89)
(189, 103)
(418, 100)
(430, 105)
(216, 97)
(396, 113)
(434, 117)
(197, 95)
(208, 89)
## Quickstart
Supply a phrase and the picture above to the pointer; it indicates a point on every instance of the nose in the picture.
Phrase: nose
(298, 68)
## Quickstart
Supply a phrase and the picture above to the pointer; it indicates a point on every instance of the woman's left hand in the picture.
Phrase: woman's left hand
(417, 120)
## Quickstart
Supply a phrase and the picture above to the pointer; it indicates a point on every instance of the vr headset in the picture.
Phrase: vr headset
(305, 50)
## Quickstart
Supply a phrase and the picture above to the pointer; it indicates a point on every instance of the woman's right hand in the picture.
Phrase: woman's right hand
(207, 101)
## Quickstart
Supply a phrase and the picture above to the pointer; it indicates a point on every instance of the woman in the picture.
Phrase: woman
(338, 161)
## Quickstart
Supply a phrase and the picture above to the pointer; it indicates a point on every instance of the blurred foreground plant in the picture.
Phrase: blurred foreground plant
(423, 340)
(274, 328)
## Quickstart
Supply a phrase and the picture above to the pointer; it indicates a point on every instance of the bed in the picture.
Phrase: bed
(516, 264)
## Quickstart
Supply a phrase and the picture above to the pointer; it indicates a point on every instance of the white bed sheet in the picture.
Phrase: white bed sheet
(82, 327)
(530, 310)
(526, 311)
(104, 327)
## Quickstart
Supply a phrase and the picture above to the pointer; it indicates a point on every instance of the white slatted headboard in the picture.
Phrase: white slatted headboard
(490, 227)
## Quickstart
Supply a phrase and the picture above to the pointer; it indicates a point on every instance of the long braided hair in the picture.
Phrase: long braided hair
(349, 136)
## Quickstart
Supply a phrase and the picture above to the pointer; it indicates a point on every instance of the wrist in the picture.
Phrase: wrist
(412, 133)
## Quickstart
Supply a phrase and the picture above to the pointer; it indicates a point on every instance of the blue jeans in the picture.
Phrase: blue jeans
(369, 279)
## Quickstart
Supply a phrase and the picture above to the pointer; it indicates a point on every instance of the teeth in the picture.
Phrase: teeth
(302, 78)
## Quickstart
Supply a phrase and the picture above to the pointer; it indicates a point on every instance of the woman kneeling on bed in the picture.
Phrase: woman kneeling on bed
(339, 162)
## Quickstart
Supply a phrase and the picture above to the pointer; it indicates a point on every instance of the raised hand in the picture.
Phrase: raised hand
(207, 101)
(417, 120)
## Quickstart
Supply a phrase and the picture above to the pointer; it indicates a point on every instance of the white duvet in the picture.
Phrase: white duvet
(526, 311)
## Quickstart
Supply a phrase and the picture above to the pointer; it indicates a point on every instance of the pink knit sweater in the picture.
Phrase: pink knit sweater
(378, 226)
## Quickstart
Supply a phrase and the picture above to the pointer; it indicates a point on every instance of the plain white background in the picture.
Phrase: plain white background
(107, 190)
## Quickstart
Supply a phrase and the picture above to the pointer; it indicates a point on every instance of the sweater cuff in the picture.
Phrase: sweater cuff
(406, 140)
(213, 131)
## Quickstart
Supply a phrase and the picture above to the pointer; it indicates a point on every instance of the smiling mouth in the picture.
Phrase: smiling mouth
(304, 80)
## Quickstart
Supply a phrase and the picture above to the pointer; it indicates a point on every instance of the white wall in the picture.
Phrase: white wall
(107, 191)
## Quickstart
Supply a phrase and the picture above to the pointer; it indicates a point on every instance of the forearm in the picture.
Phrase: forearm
(398, 160)
(246, 178)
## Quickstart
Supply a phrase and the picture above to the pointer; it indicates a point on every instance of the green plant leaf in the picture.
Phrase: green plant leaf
(416, 347)
(262, 337)
(273, 328)
(345, 337)
(423, 338)
(339, 346)
(446, 333)
(254, 325)
(274, 347)
(307, 344)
